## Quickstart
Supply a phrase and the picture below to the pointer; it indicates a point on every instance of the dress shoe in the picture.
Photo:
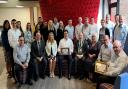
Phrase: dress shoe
(81, 77)
(60, 75)
(42, 77)
(36, 79)
(30, 83)
(18, 85)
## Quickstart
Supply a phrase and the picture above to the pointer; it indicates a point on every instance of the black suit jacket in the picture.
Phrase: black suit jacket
(84, 46)
(34, 49)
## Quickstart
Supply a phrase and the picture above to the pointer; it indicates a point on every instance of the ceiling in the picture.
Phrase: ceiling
(25, 3)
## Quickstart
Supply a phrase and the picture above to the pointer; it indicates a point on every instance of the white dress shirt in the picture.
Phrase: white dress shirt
(93, 30)
(56, 26)
(66, 43)
(117, 64)
(70, 31)
(13, 36)
(86, 31)
(78, 30)
(48, 48)
(105, 52)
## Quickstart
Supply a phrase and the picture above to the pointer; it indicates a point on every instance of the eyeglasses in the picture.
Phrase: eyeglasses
(115, 47)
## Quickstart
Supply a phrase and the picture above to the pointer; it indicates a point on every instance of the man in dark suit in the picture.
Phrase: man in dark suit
(80, 50)
(38, 55)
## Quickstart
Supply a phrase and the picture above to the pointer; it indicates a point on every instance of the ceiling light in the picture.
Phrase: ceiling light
(3, 1)
(19, 6)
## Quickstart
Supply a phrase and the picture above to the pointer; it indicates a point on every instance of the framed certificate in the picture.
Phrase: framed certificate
(64, 51)
(100, 67)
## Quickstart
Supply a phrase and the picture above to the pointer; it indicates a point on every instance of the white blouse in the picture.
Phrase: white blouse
(48, 48)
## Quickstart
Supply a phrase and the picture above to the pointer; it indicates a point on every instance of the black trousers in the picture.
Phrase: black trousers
(105, 79)
(79, 66)
(65, 57)
(38, 68)
(12, 62)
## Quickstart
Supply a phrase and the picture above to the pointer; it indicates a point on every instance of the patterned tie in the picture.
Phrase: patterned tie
(39, 50)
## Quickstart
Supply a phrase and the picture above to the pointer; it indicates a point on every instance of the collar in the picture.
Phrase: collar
(121, 53)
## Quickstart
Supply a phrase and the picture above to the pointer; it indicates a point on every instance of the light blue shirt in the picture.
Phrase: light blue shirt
(122, 34)
(21, 54)
(70, 31)
(28, 37)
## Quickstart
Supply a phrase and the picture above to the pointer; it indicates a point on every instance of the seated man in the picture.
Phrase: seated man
(38, 55)
(106, 50)
(65, 43)
(81, 48)
(115, 66)
(21, 56)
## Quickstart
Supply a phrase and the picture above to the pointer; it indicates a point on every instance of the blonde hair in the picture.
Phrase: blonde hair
(50, 25)
(49, 39)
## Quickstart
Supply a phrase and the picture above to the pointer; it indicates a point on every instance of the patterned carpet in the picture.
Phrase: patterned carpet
(2, 60)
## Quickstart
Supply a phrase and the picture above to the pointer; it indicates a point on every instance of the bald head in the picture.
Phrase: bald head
(80, 35)
(117, 46)
(86, 20)
(94, 37)
(79, 19)
(106, 39)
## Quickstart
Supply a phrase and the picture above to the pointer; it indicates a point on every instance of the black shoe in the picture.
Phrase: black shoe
(42, 77)
(30, 83)
(18, 85)
(35, 79)
(76, 76)
(60, 75)
(81, 77)
(69, 77)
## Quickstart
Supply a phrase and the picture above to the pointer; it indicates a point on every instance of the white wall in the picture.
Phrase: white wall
(21, 14)
(100, 11)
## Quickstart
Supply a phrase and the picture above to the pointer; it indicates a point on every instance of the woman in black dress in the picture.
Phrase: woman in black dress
(92, 55)
(60, 32)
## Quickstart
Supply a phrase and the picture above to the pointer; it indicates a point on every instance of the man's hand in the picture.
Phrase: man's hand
(23, 66)
(39, 59)
(26, 65)
(90, 56)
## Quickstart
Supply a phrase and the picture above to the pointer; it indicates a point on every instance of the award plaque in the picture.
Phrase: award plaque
(64, 51)
(100, 67)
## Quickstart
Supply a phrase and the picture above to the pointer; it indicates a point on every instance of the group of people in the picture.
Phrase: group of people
(28, 53)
